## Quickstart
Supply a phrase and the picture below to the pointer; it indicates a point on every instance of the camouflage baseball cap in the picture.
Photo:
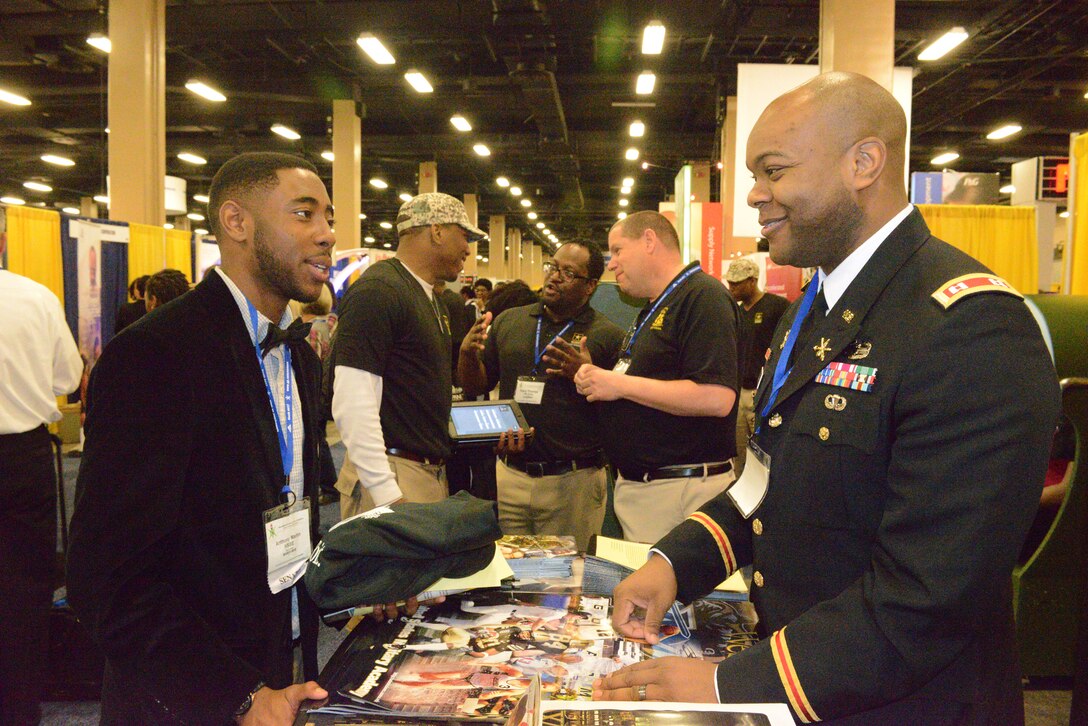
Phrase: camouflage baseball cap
(436, 208)
(742, 269)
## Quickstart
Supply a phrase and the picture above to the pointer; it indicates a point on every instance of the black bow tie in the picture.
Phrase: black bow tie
(296, 331)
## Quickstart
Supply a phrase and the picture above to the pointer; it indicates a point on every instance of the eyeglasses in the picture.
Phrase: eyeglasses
(564, 275)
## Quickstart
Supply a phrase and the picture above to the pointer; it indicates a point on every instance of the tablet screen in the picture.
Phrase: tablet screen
(483, 419)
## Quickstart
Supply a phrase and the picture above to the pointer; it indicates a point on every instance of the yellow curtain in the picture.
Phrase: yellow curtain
(1002, 238)
(146, 250)
(34, 246)
(179, 251)
(1076, 249)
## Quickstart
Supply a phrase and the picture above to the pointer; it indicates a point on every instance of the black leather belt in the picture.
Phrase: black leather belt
(678, 472)
(553, 468)
(412, 456)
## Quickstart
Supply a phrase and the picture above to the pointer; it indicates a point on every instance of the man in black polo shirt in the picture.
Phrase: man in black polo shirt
(391, 362)
(759, 315)
(558, 484)
(668, 414)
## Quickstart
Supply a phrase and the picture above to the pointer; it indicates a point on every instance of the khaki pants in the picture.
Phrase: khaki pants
(566, 504)
(648, 511)
(418, 483)
(746, 426)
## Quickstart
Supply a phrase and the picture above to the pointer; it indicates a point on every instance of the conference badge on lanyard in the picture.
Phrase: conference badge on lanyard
(287, 540)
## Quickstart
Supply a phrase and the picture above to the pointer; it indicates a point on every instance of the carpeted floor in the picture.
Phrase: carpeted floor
(1044, 705)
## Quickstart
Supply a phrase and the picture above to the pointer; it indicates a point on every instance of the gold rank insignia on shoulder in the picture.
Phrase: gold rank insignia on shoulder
(848, 315)
(823, 348)
(958, 288)
(659, 321)
(775, 420)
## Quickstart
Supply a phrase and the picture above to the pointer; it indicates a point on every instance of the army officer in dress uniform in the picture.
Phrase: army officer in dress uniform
(901, 449)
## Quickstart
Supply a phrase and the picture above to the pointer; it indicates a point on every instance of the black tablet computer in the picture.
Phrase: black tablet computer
(481, 422)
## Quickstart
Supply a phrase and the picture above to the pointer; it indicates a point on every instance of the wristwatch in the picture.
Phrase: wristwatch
(248, 703)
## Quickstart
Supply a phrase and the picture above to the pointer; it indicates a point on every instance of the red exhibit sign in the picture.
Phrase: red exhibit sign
(783, 280)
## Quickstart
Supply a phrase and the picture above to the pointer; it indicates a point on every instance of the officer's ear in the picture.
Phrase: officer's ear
(436, 234)
(868, 158)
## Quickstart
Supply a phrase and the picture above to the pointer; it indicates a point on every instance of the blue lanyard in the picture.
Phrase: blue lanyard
(538, 352)
(661, 298)
(781, 373)
(284, 434)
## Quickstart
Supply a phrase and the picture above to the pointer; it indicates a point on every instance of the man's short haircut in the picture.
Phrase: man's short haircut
(633, 226)
(595, 265)
(482, 282)
(138, 287)
(245, 173)
(165, 285)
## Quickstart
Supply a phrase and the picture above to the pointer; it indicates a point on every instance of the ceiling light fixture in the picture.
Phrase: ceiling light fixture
(385, 225)
(516, 191)
(460, 123)
(101, 198)
(205, 91)
(374, 48)
(285, 132)
(362, 216)
(195, 216)
(625, 190)
(368, 239)
(13, 98)
(482, 150)
(645, 84)
(1007, 189)
(622, 215)
(328, 156)
(1064, 215)
(200, 230)
(202, 198)
(192, 158)
(532, 215)
(624, 202)
(547, 232)
(628, 181)
(418, 81)
(502, 181)
(637, 129)
(379, 183)
(945, 158)
(943, 45)
(631, 154)
(37, 186)
(653, 38)
(540, 225)
(404, 197)
(1004, 132)
(97, 40)
(14, 201)
(70, 210)
(168, 226)
(57, 160)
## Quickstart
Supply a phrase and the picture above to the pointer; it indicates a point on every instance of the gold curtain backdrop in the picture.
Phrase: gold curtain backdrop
(152, 248)
(1002, 238)
(34, 246)
(1076, 249)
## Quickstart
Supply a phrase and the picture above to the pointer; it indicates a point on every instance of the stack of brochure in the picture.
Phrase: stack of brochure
(537, 557)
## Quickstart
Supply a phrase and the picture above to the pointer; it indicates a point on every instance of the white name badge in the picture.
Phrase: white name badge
(622, 365)
(748, 492)
(529, 390)
(287, 541)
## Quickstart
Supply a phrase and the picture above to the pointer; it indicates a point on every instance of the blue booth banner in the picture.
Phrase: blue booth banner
(94, 256)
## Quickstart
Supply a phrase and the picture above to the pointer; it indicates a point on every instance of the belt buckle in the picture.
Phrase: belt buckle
(539, 465)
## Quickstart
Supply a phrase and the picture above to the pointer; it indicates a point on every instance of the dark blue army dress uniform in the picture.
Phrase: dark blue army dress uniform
(908, 447)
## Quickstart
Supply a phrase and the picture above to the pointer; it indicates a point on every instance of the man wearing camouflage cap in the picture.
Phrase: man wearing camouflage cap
(759, 313)
(391, 362)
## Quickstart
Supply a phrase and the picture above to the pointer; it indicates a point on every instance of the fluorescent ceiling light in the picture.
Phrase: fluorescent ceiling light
(362, 216)
(945, 158)
(460, 123)
(502, 181)
(97, 40)
(547, 232)
(387, 246)
(368, 239)
(202, 198)
(70, 210)
(192, 158)
(622, 215)
(532, 215)
(637, 129)
(625, 190)
(286, 133)
(37, 186)
(168, 226)
(195, 216)
(516, 191)
(1004, 132)
(419, 82)
(58, 160)
(205, 91)
(482, 150)
(328, 156)
(405, 197)
(942, 45)
(526, 203)
(13, 98)
(374, 48)
(1007, 189)
(101, 199)
(1064, 215)
(484, 260)
(15, 201)
(378, 183)
(386, 225)
(653, 38)
(628, 181)
(624, 202)
(540, 225)
(645, 84)
(631, 154)
(200, 230)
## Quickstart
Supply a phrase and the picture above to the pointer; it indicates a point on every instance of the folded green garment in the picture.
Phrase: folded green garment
(395, 552)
